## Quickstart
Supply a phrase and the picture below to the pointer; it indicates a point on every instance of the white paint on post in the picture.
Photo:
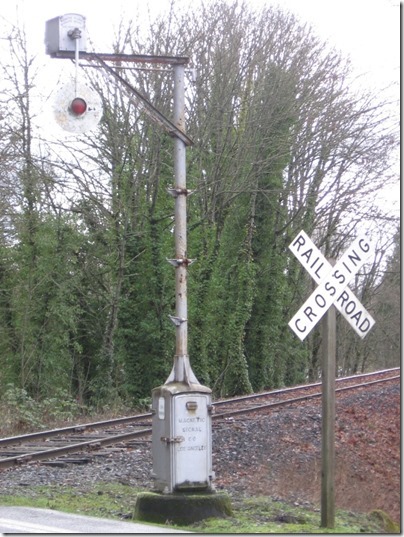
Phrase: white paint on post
(318, 267)
(333, 286)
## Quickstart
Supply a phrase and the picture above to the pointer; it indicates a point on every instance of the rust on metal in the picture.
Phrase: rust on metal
(175, 192)
(133, 93)
(144, 104)
(130, 58)
(54, 452)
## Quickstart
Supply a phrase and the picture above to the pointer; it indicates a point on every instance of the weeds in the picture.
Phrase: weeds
(20, 412)
(252, 515)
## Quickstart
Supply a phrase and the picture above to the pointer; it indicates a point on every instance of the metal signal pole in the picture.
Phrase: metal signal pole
(181, 407)
(181, 371)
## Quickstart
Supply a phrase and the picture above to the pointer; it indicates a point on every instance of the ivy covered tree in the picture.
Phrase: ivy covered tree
(281, 143)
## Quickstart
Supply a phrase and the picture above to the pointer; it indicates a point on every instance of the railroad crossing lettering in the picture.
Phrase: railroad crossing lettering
(332, 287)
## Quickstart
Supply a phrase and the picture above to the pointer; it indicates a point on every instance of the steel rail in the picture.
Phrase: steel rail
(302, 387)
(50, 453)
(47, 454)
(71, 429)
(257, 408)
(132, 419)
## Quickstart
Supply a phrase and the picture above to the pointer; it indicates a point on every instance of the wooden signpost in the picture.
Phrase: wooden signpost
(332, 292)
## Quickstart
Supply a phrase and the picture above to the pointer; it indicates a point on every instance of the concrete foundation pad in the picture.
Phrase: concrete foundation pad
(181, 508)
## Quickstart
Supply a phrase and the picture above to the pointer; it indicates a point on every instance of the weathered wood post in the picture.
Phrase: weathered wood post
(332, 292)
(328, 420)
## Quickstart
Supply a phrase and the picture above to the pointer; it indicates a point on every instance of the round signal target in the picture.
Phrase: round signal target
(77, 108)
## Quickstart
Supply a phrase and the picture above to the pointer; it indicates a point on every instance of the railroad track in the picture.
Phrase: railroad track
(56, 443)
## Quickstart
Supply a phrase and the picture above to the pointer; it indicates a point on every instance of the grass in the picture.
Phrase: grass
(252, 515)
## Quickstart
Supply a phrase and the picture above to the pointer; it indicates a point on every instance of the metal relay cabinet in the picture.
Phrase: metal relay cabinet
(59, 34)
(181, 443)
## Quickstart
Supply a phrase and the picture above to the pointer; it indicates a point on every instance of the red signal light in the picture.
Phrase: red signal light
(78, 106)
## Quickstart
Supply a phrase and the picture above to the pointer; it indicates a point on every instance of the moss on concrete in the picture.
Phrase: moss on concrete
(181, 508)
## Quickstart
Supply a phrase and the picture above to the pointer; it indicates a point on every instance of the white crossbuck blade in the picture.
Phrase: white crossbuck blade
(333, 285)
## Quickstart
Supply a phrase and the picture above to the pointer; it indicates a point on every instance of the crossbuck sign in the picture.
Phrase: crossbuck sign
(332, 289)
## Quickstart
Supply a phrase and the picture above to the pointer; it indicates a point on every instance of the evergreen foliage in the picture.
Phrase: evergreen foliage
(280, 145)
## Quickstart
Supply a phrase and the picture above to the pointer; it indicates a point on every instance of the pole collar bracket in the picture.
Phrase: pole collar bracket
(181, 262)
(175, 192)
(177, 320)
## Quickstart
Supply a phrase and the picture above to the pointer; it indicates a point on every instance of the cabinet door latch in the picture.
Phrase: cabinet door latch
(174, 440)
